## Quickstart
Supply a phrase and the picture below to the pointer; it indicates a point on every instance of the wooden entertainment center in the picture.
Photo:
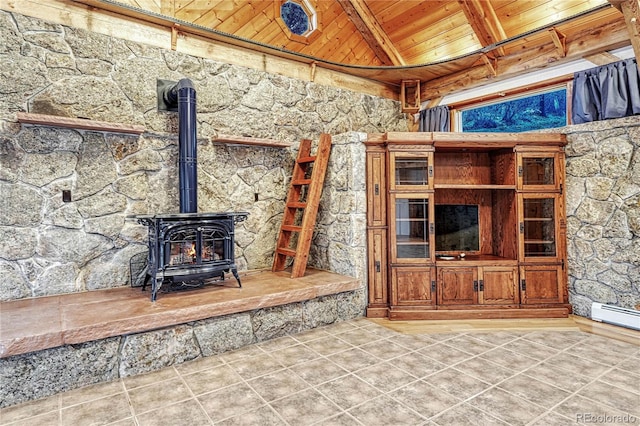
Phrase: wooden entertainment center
(466, 225)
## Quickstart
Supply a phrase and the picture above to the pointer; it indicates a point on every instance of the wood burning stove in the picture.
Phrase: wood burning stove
(187, 248)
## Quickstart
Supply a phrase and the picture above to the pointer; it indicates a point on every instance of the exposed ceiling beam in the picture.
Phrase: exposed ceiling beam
(484, 21)
(594, 40)
(631, 11)
(371, 30)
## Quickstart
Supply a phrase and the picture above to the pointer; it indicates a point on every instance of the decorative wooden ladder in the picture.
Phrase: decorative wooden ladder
(301, 206)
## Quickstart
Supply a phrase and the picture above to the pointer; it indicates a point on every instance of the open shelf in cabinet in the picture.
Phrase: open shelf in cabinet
(491, 169)
(497, 198)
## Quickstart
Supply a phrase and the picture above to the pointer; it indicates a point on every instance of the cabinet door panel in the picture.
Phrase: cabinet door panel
(411, 171)
(377, 255)
(540, 171)
(499, 285)
(542, 284)
(411, 225)
(539, 230)
(412, 286)
(457, 286)
(376, 189)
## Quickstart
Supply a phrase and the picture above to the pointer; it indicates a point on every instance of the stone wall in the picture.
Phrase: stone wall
(340, 237)
(52, 247)
(603, 213)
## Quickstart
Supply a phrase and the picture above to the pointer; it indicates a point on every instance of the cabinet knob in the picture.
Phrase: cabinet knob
(377, 266)
(475, 285)
(376, 189)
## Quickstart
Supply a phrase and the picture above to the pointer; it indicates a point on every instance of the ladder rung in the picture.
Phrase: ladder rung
(297, 205)
(307, 170)
(310, 159)
(286, 251)
(301, 182)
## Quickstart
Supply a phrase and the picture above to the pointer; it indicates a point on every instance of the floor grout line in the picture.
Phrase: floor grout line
(350, 334)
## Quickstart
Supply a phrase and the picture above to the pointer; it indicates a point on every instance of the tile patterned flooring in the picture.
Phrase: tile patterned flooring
(361, 373)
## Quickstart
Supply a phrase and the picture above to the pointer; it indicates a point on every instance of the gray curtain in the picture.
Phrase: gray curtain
(609, 91)
(434, 119)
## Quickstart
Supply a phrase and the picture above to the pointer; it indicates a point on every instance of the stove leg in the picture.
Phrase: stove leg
(155, 286)
(235, 274)
(145, 282)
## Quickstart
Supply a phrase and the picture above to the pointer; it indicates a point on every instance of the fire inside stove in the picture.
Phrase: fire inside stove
(183, 247)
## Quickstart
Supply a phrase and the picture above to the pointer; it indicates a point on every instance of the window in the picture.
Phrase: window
(295, 17)
(298, 20)
(533, 111)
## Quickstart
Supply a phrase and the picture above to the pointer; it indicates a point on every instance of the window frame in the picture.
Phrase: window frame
(312, 14)
(563, 82)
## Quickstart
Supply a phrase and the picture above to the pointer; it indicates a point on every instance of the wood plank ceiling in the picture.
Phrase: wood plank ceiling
(447, 45)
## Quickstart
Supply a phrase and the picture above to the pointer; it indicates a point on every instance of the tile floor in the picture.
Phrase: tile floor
(361, 373)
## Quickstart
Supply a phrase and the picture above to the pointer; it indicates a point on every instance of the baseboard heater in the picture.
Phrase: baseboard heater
(615, 315)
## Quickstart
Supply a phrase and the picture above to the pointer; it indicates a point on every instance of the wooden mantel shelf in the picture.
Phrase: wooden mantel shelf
(247, 140)
(79, 123)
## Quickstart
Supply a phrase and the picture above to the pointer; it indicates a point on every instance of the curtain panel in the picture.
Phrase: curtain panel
(434, 119)
(609, 91)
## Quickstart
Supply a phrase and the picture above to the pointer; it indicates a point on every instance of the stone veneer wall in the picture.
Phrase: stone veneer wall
(603, 213)
(52, 247)
(43, 373)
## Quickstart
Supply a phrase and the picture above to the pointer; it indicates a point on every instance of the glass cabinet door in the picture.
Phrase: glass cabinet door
(410, 171)
(411, 228)
(538, 171)
(538, 228)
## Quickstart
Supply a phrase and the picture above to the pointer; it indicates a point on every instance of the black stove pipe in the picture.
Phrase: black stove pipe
(184, 94)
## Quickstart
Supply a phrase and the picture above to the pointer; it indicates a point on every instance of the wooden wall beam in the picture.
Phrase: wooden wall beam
(174, 37)
(410, 96)
(594, 40)
(603, 58)
(559, 40)
(491, 64)
(631, 11)
(156, 31)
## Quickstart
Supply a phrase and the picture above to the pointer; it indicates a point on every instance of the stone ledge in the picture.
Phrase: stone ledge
(40, 323)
